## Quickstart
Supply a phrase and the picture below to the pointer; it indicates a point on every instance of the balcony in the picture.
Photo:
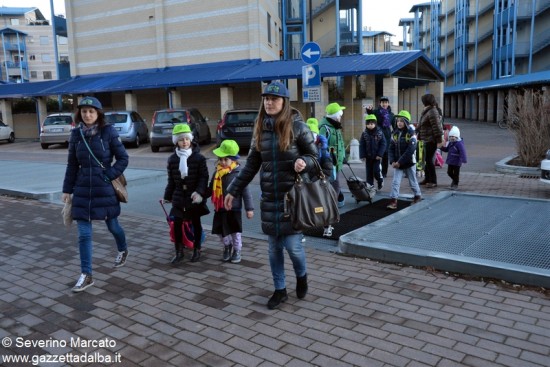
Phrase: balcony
(8, 46)
(16, 65)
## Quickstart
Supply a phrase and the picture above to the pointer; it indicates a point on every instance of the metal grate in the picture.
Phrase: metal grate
(491, 232)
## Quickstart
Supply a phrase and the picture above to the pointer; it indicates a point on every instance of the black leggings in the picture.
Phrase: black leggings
(430, 175)
(454, 173)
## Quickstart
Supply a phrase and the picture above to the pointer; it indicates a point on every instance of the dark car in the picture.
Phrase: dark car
(131, 127)
(164, 121)
(238, 125)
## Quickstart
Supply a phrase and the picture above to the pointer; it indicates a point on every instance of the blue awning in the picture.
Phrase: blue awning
(540, 78)
(412, 64)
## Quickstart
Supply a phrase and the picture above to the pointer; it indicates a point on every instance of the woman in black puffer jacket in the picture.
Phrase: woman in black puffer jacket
(280, 147)
(186, 189)
(90, 184)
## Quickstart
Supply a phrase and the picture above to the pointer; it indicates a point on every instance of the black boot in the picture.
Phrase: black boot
(301, 286)
(278, 297)
(179, 254)
(196, 255)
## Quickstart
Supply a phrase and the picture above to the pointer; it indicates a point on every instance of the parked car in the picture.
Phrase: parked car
(238, 125)
(131, 127)
(6, 133)
(545, 168)
(164, 121)
(56, 129)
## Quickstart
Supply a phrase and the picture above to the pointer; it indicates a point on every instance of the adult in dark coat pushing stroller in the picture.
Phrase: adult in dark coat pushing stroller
(282, 145)
(186, 189)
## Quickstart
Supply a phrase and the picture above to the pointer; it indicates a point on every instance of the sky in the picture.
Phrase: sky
(379, 15)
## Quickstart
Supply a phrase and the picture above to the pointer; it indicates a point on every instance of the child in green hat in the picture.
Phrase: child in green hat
(228, 224)
(372, 148)
(186, 189)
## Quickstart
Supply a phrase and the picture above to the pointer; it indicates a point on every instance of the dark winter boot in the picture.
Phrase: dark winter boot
(278, 297)
(301, 286)
(196, 255)
(179, 254)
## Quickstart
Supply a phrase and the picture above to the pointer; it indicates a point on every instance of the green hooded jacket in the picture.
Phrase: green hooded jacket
(335, 141)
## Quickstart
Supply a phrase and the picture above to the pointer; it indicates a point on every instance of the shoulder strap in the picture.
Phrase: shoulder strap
(90, 150)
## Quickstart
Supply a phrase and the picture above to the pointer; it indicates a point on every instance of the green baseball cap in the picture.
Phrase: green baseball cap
(405, 114)
(181, 129)
(332, 108)
(228, 148)
(370, 117)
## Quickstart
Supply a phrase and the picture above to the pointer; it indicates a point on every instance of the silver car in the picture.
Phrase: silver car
(56, 129)
(131, 127)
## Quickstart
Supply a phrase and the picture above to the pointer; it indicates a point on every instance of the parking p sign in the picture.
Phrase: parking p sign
(311, 77)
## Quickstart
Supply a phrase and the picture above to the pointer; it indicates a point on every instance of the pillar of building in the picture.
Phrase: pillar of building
(370, 88)
(491, 106)
(349, 118)
(468, 106)
(460, 106)
(481, 107)
(390, 89)
(501, 102)
(320, 106)
(174, 96)
(512, 102)
(226, 99)
(453, 106)
(5, 109)
(475, 107)
(436, 88)
(130, 100)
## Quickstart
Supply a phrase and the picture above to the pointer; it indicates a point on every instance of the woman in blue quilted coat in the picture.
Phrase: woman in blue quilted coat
(89, 182)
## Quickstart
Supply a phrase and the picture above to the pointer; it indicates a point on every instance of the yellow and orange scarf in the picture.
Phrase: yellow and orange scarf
(217, 190)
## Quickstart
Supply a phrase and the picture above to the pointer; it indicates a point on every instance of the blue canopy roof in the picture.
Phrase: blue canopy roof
(541, 78)
(412, 64)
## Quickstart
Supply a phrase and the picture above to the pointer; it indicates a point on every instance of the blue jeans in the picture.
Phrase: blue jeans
(85, 241)
(398, 176)
(293, 245)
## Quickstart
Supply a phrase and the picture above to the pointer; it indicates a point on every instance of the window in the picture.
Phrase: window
(14, 21)
(46, 58)
(44, 40)
(47, 74)
(62, 40)
(34, 75)
(268, 28)
(32, 57)
(63, 59)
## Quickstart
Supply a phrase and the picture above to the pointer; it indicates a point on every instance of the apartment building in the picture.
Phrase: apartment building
(29, 47)
(486, 48)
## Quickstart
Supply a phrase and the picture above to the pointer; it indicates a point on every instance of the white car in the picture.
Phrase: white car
(6, 133)
(545, 168)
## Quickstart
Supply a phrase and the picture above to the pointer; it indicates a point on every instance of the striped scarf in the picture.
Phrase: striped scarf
(217, 189)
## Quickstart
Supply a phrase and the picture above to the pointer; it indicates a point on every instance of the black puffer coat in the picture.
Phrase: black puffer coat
(277, 173)
(93, 194)
(179, 190)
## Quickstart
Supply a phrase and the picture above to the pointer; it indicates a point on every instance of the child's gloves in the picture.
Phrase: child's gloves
(196, 198)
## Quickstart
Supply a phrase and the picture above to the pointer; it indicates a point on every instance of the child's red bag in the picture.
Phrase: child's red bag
(186, 229)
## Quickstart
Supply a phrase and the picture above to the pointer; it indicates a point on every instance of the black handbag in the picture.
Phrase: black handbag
(312, 203)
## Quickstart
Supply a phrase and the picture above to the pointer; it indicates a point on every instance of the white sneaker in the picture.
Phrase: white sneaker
(328, 231)
(303, 238)
(83, 282)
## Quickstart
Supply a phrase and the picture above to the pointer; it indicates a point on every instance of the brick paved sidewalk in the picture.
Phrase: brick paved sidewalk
(357, 313)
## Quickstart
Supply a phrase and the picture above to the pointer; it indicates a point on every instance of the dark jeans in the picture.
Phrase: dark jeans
(385, 164)
(372, 167)
(429, 170)
(454, 173)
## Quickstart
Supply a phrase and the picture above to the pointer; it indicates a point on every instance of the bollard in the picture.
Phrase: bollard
(354, 151)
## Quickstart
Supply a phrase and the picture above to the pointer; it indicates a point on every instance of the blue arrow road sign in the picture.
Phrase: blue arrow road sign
(311, 53)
